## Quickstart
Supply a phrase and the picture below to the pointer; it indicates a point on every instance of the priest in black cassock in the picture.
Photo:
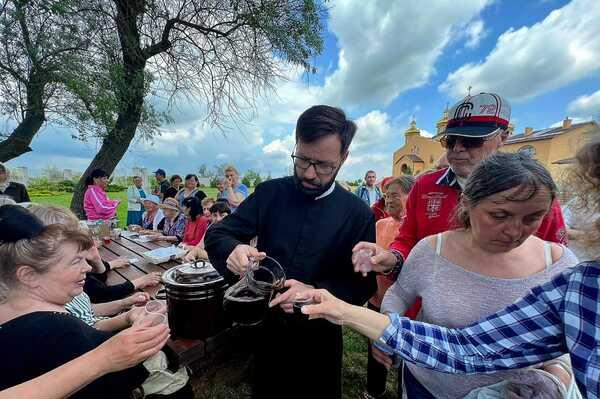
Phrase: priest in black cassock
(309, 224)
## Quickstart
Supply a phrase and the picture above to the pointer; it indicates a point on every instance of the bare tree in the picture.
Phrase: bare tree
(225, 53)
(40, 42)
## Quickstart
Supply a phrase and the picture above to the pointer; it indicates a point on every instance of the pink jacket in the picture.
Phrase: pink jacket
(96, 204)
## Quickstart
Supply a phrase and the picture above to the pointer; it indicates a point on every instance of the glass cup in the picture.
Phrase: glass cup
(150, 319)
(299, 302)
(156, 306)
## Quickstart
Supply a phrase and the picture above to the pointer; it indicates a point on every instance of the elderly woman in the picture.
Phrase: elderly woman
(136, 194)
(96, 203)
(152, 217)
(81, 306)
(190, 189)
(41, 269)
(173, 225)
(496, 256)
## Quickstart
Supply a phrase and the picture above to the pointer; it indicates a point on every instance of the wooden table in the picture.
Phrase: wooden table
(181, 352)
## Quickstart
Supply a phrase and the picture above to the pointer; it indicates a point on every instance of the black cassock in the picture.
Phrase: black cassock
(313, 241)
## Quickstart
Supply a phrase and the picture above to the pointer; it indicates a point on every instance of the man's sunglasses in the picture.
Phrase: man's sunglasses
(449, 141)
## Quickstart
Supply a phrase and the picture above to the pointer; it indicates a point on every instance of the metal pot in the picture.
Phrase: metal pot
(194, 293)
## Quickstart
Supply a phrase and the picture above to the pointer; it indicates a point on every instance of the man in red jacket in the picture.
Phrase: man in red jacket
(477, 129)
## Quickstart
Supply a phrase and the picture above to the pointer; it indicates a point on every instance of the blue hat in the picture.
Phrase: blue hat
(160, 172)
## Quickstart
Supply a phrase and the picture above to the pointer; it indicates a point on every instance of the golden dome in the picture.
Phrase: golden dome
(412, 130)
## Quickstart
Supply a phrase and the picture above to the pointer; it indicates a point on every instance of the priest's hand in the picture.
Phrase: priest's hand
(381, 261)
(295, 290)
(239, 259)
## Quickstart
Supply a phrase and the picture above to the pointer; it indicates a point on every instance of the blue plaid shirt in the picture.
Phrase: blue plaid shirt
(561, 316)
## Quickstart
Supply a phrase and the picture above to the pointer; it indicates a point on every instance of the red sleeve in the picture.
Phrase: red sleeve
(553, 226)
(199, 231)
(407, 234)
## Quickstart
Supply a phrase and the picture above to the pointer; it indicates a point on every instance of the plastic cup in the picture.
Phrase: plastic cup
(363, 260)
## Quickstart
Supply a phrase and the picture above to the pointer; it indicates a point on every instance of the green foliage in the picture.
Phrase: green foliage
(251, 177)
(246, 181)
(115, 188)
(66, 186)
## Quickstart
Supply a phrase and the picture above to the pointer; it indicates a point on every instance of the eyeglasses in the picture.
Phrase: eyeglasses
(321, 168)
(450, 141)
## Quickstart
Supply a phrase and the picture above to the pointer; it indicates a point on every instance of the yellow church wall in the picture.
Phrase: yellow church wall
(425, 148)
(556, 148)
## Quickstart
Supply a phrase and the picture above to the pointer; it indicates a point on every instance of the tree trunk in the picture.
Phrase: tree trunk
(131, 99)
(19, 140)
(111, 152)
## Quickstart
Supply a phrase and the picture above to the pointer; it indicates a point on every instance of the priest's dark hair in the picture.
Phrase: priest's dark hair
(322, 120)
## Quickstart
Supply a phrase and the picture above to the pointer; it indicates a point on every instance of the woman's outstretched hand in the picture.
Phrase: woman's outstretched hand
(326, 306)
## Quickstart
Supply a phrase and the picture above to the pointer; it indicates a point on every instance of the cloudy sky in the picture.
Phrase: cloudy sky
(384, 62)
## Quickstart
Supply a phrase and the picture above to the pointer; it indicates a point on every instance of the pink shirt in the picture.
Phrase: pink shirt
(97, 205)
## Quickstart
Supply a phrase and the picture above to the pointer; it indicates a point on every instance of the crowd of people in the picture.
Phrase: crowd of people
(175, 211)
(470, 286)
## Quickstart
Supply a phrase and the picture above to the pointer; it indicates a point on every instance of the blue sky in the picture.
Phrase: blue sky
(384, 62)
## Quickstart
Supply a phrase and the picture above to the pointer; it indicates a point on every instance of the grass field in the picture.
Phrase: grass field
(64, 199)
(224, 386)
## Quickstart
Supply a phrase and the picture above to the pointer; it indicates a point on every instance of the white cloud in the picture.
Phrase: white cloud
(373, 128)
(586, 105)
(475, 32)
(526, 62)
(389, 47)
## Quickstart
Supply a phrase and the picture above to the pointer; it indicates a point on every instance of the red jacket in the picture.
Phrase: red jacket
(194, 230)
(378, 210)
(430, 209)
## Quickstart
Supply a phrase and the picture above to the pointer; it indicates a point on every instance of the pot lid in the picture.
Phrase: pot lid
(196, 274)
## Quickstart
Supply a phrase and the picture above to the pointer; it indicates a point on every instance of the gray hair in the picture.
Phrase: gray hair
(501, 172)
(405, 182)
(51, 214)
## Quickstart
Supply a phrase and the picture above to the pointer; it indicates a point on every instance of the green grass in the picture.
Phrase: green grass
(355, 346)
(64, 200)
(231, 380)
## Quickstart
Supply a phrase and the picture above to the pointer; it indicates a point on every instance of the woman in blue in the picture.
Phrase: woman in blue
(556, 318)
(136, 194)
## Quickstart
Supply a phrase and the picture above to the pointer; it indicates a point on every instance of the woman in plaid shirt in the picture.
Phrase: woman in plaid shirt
(561, 316)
